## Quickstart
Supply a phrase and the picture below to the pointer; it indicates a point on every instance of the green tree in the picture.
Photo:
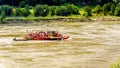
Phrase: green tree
(53, 10)
(104, 9)
(2, 16)
(97, 9)
(72, 9)
(18, 12)
(41, 10)
(88, 10)
(63, 11)
(107, 8)
(54, 2)
(1, 9)
(118, 4)
(22, 3)
(117, 10)
(67, 10)
(7, 9)
(112, 9)
(116, 1)
(25, 11)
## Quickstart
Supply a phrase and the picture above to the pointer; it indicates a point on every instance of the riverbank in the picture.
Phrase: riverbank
(61, 18)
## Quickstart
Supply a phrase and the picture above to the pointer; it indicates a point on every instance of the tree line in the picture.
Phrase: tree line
(110, 9)
(40, 10)
(63, 10)
(36, 8)
(22, 3)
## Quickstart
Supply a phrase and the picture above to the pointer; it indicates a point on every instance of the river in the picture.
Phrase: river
(92, 45)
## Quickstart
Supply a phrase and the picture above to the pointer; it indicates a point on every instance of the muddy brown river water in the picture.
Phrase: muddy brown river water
(92, 45)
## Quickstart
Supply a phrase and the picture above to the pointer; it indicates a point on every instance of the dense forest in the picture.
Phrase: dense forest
(43, 8)
(55, 2)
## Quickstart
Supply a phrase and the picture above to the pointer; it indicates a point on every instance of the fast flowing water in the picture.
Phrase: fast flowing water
(92, 45)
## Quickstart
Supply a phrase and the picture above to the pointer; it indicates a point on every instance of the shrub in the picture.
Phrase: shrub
(22, 4)
(112, 9)
(118, 4)
(1, 9)
(62, 11)
(17, 12)
(85, 14)
(105, 9)
(53, 10)
(41, 10)
(7, 9)
(116, 1)
(21, 12)
(117, 11)
(72, 9)
(108, 8)
(88, 10)
(2, 16)
(25, 11)
(97, 9)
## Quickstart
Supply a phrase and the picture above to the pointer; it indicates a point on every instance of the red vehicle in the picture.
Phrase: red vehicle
(42, 35)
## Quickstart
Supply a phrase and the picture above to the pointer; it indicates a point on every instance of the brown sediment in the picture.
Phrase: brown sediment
(93, 45)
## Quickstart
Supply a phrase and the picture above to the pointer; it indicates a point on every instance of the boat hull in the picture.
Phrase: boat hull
(48, 38)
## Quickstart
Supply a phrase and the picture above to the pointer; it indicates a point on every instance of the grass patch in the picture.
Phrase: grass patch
(71, 18)
(116, 65)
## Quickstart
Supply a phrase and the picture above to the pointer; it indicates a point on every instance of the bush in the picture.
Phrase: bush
(21, 11)
(41, 10)
(112, 9)
(36, 10)
(117, 11)
(2, 16)
(116, 1)
(53, 10)
(85, 14)
(17, 12)
(62, 11)
(7, 9)
(97, 9)
(108, 8)
(25, 11)
(1, 9)
(88, 10)
(105, 9)
(118, 4)
(72, 9)
(67, 10)
(22, 4)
